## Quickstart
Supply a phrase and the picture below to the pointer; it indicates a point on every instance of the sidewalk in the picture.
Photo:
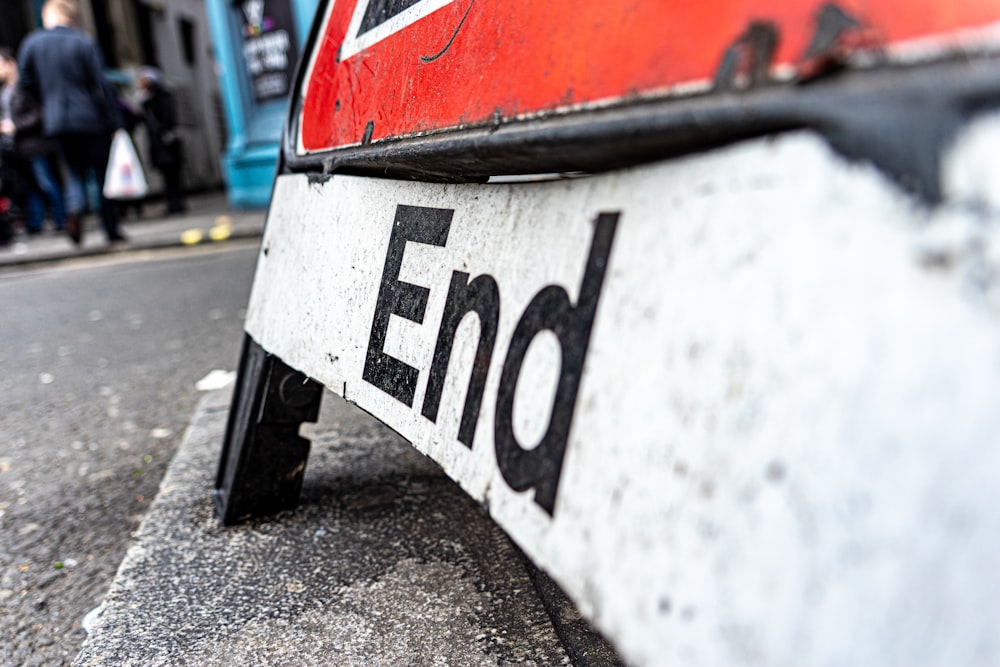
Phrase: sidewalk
(208, 216)
(386, 562)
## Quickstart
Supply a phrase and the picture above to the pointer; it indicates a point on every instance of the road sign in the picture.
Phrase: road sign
(719, 392)
(386, 70)
(732, 380)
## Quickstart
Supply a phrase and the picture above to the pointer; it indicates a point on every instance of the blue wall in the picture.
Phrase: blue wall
(254, 128)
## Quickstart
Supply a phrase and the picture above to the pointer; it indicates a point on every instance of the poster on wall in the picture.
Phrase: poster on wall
(269, 47)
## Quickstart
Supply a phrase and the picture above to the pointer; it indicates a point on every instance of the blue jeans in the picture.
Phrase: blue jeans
(45, 189)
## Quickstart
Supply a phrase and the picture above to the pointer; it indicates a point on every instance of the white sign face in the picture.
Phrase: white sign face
(723, 400)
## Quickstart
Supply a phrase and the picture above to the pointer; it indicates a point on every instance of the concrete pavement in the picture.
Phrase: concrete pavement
(207, 220)
(386, 562)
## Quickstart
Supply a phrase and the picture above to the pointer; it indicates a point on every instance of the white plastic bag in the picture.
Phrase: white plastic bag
(124, 178)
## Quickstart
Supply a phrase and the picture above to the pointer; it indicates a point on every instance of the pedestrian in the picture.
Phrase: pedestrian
(13, 170)
(160, 117)
(63, 69)
(33, 152)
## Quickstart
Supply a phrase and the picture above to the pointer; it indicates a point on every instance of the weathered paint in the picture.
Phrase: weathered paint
(783, 448)
(444, 64)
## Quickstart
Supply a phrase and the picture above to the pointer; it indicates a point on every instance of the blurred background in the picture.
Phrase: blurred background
(229, 64)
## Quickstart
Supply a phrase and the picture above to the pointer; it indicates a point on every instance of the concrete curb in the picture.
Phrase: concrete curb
(386, 562)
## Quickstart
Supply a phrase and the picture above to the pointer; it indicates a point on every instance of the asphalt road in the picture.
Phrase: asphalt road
(98, 366)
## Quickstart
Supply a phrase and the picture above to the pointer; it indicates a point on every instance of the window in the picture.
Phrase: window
(144, 17)
(188, 37)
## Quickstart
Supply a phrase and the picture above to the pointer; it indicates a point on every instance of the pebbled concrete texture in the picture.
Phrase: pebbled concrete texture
(386, 562)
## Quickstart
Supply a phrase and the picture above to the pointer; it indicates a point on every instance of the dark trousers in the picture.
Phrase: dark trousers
(172, 183)
(85, 153)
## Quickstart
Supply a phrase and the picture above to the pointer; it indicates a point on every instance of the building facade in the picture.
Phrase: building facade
(173, 36)
(257, 44)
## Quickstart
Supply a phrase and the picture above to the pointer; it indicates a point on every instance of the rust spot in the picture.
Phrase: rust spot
(747, 62)
(837, 35)
(938, 260)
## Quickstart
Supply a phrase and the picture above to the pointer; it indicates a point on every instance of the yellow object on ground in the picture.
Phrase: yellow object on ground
(191, 236)
(220, 232)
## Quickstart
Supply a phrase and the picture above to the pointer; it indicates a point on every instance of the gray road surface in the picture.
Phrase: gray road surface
(98, 365)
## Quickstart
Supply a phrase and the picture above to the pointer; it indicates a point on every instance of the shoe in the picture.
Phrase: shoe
(74, 228)
(119, 242)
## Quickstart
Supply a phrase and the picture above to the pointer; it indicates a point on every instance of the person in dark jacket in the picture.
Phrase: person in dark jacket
(159, 113)
(63, 69)
(32, 150)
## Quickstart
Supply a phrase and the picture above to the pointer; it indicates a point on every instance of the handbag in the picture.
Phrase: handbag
(124, 179)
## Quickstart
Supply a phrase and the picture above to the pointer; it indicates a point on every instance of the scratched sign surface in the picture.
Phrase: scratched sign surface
(385, 69)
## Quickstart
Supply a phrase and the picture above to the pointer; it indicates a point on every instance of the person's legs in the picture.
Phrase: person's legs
(172, 181)
(73, 153)
(74, 156)
(25, 192)
(34, 209)
(48, 186)
(30, 197)
(98, 150)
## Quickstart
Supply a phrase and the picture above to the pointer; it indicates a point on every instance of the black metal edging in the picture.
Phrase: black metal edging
(900, 119)
(263, 458)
